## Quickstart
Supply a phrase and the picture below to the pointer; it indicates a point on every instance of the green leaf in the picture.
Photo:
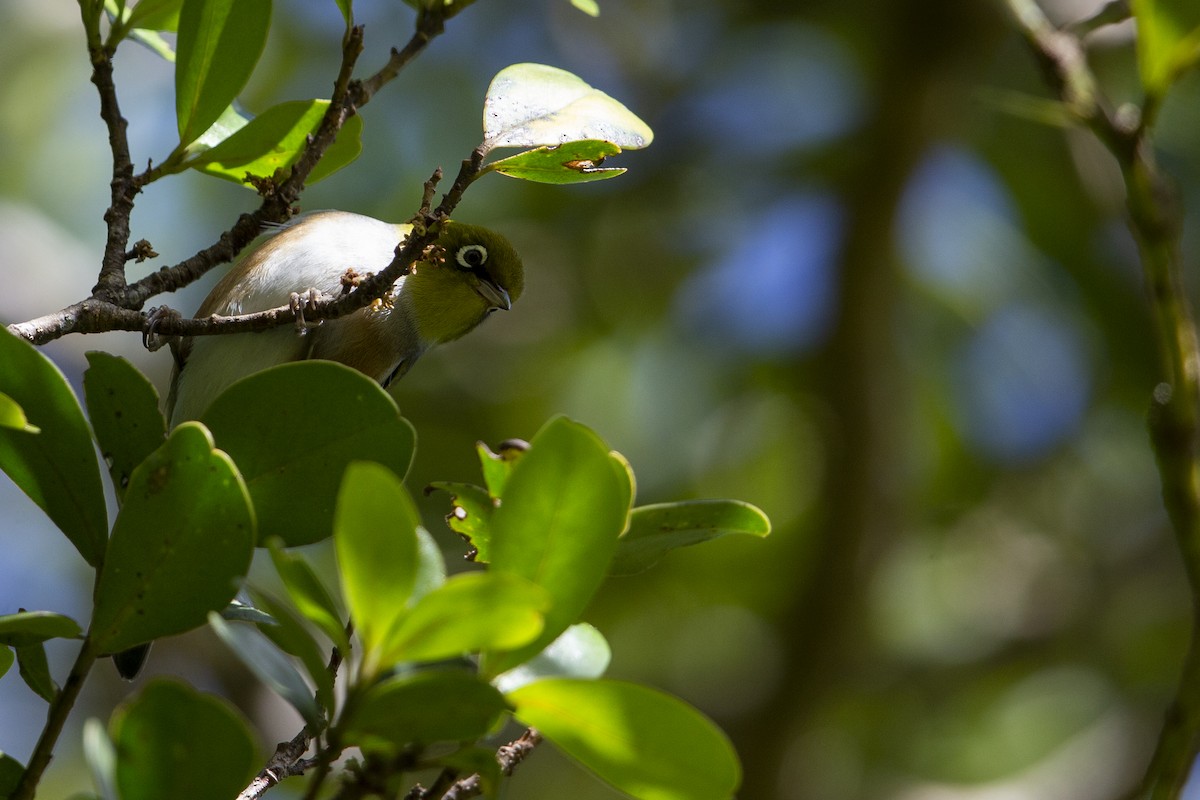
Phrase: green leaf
(425, 707)
(31, 627)
(175, 742)
(237, 611)
(572, 162)
(580, 652)
(123, 407)
(345, 6)
(35, 670)
(13, 416)
(643, 742)
(156, 15)
(180, 545)
(657, 529)
(57, 467)
(470, 517)
(290, 636)
(280, 428)
(498, 466)
(275, 139)
(309, 595)
(101, 757)
(564, 507)
(531, 105)
(219, 43)
(431, 566)
(589, 7)
(11, 771)
(230, 122)
(154, 42)
(271, 666)
(470, 612)
(376, 544)
(1168, 41)
(7, 657)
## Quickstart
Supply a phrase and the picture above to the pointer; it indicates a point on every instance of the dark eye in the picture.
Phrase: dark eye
(471, 256)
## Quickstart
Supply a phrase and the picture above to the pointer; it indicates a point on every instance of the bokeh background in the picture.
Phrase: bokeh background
(858, 280)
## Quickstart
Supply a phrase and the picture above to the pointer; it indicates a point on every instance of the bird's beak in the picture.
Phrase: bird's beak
(494, 293)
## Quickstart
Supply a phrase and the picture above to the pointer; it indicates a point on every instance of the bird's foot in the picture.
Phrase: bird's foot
(151, 339)
(298, 302)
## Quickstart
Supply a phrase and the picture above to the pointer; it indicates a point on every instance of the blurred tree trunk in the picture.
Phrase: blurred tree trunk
(923, 48)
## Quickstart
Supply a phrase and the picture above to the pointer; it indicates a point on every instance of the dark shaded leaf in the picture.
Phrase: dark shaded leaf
(123, 407)
(56, 467)
(175, 742)
(293, 450)
(180, 545)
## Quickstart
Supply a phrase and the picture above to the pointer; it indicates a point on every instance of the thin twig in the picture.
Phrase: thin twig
(56, 718)
(287, 760)
(1111, 13)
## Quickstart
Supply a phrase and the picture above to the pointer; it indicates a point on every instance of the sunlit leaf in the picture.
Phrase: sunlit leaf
(123, 407)
(12, 416)
(531, 105)
(376, 544)
(30, 627)
(589, 7)
(498, 466)
(154, 42)
(219, 43)
(468, 613)
(655, 530)
(470, 517)
(580, 652)
(232, 120)
(156, 15)
(293, 450)
(55, 467)
(1168, 41)
(175, 742)
(275, 140)
(564, 507)
(180, 545)
(645, 743)
(572, 162)
(309, 595)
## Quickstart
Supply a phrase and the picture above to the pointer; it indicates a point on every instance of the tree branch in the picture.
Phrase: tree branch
(1156, 221)
(56, 718)
(114, 305)
(111, 282)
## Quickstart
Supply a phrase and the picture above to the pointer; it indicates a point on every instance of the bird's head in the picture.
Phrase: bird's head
(472, 272)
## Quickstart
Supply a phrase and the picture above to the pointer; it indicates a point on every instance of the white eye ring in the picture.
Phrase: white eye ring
(471, 256)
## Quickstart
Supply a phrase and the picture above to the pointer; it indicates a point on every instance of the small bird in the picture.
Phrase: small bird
(470, 273)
